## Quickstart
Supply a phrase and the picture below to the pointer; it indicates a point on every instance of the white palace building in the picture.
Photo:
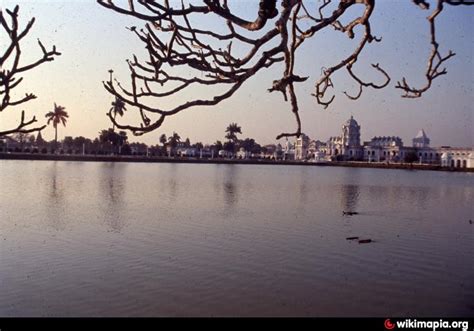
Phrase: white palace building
(348, 147)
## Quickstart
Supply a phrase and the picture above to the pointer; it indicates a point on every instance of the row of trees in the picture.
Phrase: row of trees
(110, 141)
(232, 145)
(107, 142)
(55, 117)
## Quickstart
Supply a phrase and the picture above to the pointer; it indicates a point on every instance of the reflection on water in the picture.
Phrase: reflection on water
(230, 183)
(171, 176)
(55, 194)
(350, 196)
(396, 193)
(55, 199)
(104, 239)
(111, 186)
(303, 189)
(350, 190)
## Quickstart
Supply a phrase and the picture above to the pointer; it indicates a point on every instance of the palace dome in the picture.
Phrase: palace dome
(352, 122)
(421, 134)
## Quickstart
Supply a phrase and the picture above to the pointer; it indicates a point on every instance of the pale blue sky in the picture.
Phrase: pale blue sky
(93, 40)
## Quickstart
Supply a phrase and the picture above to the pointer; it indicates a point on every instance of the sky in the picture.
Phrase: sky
(93, 40)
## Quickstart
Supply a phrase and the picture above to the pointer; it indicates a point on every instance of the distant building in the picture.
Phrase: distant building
(224, 153)
(8, 143)
(138, 149)
(268, 151)
(187, 151)
(40, 142)
(289, 151)
(242, 153)
(206, 152)
(347, 147)
(351, 148)
(421, 140)
(381, 149)
(316, 149)
(421, 148)
(344, 147)
(457, 157)
(301, 147)
(334, 146)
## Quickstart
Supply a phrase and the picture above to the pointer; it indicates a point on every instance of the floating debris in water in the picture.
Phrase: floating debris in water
(349, 213)
(352, 238)
(365, 241)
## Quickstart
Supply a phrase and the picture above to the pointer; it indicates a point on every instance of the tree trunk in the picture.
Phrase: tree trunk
(55, 138)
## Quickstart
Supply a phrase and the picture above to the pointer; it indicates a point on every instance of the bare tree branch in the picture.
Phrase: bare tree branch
(10, 67)
(435, 59)
(224, 61)
(22, 127)
(364, 84)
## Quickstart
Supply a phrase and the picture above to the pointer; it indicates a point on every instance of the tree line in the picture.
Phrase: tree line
(112, 142)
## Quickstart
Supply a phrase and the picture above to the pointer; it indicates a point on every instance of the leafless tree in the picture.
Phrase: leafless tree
(174, 41)
(11, 68)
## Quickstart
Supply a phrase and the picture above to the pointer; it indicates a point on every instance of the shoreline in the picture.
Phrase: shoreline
(158, 159)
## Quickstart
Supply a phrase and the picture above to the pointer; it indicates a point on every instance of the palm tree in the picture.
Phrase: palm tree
(174, 140)
(118, 108)
(173, 143)
(163, 139)
(218, 145)
(231, 130)
(57, 116)
(122, 140)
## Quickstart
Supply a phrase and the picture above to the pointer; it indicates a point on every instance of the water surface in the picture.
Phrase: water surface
(118, 239)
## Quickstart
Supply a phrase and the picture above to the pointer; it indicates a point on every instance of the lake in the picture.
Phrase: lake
(134, 239)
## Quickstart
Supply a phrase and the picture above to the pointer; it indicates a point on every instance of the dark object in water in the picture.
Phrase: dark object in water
(470, 221)
(352, 238)
(365, 241)
(349, 213)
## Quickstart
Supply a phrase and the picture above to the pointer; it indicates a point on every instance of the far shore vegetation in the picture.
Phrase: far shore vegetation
(112, 142)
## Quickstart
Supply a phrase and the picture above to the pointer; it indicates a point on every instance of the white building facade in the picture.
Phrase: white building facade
(380, 149)
(457, 157)
(347, 147)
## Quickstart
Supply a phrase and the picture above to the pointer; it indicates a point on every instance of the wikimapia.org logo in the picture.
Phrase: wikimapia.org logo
(432, 325)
